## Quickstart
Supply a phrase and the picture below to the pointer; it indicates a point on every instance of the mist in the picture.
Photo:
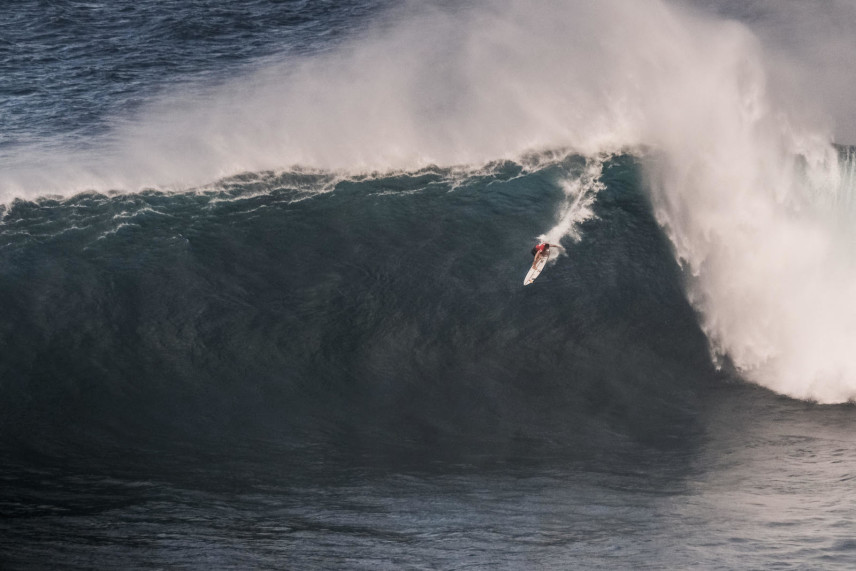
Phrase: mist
(428, 84)
(809, 48)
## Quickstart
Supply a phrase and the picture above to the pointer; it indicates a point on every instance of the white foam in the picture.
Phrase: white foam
(580, 194)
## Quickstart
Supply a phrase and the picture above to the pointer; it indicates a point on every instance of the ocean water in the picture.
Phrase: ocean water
(261, 301)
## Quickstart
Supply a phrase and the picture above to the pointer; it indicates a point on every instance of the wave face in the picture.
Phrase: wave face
(368, 309)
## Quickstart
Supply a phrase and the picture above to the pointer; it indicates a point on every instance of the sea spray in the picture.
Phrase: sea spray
(580, 192)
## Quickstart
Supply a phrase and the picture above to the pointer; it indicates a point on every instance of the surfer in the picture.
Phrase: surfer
(542, 250)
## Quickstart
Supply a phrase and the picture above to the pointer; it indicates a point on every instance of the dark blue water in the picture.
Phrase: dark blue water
(66, 67)
(307, 370)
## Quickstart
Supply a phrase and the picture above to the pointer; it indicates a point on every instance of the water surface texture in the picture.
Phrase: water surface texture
(261, 299)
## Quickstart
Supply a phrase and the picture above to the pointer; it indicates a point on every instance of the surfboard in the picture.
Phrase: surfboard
(536, 271)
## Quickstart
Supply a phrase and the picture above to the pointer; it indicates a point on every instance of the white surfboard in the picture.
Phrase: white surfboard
(536, 271)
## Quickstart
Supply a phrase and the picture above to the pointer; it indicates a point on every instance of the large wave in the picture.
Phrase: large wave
(744, 180)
